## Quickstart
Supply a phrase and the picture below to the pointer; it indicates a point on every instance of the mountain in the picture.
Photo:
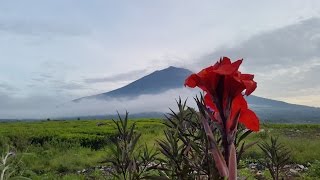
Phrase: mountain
(154, 83)
(173, 78)
(281, 112)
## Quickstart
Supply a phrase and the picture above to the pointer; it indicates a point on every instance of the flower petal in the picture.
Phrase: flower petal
(228, 69)
(225, 60)
(249, 119)
(232, 87)
(246, 76)
(238, 104)
(192, 81)
(250, 86)
(208, 101)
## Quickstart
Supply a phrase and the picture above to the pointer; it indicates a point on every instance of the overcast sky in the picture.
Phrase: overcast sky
(56, 51)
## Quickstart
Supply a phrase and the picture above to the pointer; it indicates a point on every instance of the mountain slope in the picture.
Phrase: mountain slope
(281, 112)
(154, 83)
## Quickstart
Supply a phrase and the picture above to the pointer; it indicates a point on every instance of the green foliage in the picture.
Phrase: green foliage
(240, 144)
(276, 157)
(314, 170)
(10, 166)
(54, 149)
(176, 164)
(126, 160)
(64, 148)
(303, 140)
(186, 147)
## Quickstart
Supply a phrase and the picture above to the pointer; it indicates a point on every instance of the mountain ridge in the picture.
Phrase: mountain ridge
(168, 78)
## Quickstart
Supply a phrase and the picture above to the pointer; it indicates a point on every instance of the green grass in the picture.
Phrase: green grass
(58, 149)
(51, 149)
(302, 139)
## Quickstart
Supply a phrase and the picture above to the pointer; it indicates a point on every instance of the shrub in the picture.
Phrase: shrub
(129, 162)
(276, 157)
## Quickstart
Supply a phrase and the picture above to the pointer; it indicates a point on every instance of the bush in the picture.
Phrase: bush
(128, 161)
(276, 157)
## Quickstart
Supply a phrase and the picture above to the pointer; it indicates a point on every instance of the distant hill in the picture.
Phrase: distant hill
(172, 78)
(281, 112)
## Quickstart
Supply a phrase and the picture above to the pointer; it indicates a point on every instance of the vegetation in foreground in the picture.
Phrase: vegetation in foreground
(77, 149)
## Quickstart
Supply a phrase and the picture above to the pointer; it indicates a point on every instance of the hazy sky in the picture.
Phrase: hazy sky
(55, 51)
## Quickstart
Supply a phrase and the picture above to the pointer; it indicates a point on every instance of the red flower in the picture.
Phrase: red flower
(223, 84)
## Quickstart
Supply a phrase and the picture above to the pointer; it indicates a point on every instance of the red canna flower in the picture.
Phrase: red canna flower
(223, 85)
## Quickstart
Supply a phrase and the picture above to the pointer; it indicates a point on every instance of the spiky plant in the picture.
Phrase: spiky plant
(129, 162)
(276, 156)
(5, 166)
(175, 165)
(187, 149)
(9, 167)
(182, 138)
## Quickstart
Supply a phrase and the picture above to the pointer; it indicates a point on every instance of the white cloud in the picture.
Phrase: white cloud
(131, 75)
(46, 107)
(286, 61)
(48, 49)
(27, 28)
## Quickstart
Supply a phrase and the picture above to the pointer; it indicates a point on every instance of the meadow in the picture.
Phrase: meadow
(77, 149)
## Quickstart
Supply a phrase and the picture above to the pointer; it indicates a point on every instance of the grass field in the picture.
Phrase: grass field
(59, 149)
